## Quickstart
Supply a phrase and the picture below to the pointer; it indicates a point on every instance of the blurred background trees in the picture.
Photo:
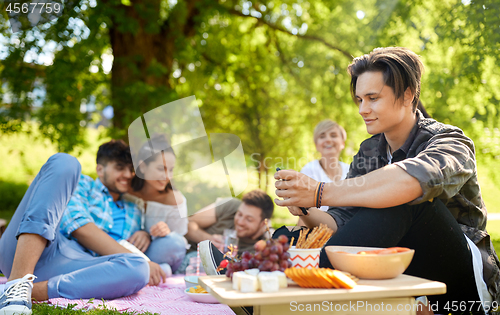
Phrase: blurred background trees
(267, 71)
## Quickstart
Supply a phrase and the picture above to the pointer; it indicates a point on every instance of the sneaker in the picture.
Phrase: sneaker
(16, 299)
(211, 258)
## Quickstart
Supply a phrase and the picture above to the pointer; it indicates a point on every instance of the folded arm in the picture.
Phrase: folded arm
(98, 241)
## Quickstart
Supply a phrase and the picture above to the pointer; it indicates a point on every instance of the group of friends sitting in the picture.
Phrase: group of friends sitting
(412, 184)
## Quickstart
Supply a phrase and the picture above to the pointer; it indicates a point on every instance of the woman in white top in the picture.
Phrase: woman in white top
(329, 138)
(165, 207)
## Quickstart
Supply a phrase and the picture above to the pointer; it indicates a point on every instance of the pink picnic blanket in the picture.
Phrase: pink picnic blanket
(168, 298)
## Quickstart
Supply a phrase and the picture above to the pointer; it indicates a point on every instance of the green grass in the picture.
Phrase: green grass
(493, 228)
(22, 158)
(46, 309)
(24, 155)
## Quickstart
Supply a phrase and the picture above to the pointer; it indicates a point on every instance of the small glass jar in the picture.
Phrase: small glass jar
(195, 268)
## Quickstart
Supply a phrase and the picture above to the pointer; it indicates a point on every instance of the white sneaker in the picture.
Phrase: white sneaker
(16, 299)
(211, 258)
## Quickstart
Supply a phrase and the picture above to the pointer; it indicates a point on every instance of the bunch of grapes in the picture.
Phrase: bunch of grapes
(269, 255)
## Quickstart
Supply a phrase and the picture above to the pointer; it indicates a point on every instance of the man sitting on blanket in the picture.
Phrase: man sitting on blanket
(32, 243)
(247, 216)
(98, 206)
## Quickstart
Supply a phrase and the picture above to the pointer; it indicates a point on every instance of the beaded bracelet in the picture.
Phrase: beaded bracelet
(319, 193)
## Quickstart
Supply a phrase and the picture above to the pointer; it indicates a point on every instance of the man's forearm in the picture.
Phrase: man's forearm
(316, 216)
(98, 241)
(196, 234)
(386, 187)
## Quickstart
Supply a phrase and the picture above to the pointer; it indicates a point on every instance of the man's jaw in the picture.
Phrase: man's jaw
(116, 190)
(252, 236)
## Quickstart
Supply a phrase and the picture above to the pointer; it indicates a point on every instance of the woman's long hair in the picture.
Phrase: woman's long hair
(145, 156)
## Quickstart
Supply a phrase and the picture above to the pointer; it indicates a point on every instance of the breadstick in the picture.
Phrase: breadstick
(299, 239)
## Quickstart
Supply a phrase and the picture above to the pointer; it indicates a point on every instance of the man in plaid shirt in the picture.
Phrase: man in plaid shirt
(99, 218)
(33, 245)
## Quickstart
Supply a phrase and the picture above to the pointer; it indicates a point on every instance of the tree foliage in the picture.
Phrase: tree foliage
(267, 71)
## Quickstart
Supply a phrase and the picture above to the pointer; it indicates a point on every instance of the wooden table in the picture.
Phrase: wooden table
(392, 296)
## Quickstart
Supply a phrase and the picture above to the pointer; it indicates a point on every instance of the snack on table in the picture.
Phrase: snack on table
(268, 282)
(249, 281)
(320, 278)
(316, 239)
(197, 289)
(385, 251)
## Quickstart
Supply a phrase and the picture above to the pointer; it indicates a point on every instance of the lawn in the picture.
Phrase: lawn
(45, 309)
(24, 155)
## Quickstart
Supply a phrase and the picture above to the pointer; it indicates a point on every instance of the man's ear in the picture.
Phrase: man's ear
(263, 225)
(408, 97)
(99, 169)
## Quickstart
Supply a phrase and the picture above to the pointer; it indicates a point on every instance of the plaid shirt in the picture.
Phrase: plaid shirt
(443, 160)
(91, 202)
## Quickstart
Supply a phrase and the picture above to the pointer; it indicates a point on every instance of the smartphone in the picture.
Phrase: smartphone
(304, 210)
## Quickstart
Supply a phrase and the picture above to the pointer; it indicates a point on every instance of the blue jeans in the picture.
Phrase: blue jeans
(170, 249)
(71, 272)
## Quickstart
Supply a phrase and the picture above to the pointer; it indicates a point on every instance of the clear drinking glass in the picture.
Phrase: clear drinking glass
(195, 268)
(230, 238)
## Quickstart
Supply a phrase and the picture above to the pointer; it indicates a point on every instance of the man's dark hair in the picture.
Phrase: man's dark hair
(114, 151)
(400, 67)
(261, 200)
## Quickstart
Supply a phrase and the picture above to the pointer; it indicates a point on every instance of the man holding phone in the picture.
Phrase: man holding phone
(412, 184)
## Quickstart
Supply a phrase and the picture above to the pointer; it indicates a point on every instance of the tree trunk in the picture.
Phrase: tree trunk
(144, 53)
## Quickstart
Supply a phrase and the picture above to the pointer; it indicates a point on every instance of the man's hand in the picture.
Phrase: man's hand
(296, 211)
(156, 274)
(160, 229)
(141, 240)
(218, 241)
(295, 188)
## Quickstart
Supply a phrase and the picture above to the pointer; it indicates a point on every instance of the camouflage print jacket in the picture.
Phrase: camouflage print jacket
(442, 159)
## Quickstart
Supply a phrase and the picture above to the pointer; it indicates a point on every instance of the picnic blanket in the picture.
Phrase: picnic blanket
(168, 298)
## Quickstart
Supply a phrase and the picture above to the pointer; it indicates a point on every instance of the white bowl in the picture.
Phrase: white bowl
(304, 257)
(368, 266)
(202, 297)
(191, 281)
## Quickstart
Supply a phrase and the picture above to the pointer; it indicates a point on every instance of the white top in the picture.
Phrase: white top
(314, 170)
(174, 215)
